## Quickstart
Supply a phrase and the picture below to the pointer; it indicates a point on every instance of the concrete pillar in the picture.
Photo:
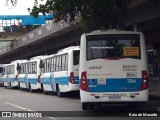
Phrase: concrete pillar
(135, 27)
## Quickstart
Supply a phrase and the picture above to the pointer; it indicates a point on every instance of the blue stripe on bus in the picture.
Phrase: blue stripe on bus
(5, 79)
(45, 80)
(60, 80)
(12, 80)
(52, 82)
(33, 80)
(22, 80)
(8, 79)
(115, 85)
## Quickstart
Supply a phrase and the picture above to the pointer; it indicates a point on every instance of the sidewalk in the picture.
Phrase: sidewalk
(154, 89)
(154, 95)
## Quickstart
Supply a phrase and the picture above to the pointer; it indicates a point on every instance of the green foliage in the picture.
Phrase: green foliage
(92, 14)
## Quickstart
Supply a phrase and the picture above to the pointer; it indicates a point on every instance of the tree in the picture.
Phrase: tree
(13, 2)
(92, 14)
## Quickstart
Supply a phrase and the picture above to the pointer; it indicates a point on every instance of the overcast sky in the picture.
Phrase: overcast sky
(19, 9)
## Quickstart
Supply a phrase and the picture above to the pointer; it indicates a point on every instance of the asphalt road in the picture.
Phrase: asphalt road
(66, 108)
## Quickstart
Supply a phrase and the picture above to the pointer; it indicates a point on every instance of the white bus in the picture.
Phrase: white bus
(60, 71)
(113, 68)
(11, 72)
(33, 73)
(22, 77)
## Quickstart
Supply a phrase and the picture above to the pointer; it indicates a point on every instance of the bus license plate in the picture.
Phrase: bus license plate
(114, 98)
(101, 81)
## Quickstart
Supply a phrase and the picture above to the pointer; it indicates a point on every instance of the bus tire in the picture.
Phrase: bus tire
(88, 106)
(59, 93)
(84, 106)
(11, 86)
(45, 92)
(91, 106)
(30, 89)
(21, 88)
(41, 89)
(18, 85)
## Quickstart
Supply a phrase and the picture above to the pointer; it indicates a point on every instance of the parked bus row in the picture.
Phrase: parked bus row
(111, 68)
(51, 73)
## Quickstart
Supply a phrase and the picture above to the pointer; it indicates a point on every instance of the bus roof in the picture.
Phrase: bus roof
(19, 61)
(1, 65)
(39, 57)
(68, 49)
(7, 64)
(99, 32)
(50, 56)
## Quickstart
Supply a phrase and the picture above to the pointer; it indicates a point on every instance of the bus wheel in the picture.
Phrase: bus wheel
(84, 106)
(58, 91)
(21, 88)
(30, 89)
(41, 89)
(11, 86)
(45, 92)
(87, 106)
(18, 85)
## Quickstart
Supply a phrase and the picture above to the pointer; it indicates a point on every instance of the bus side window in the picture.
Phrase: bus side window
(57, 63)
(63, 62)
(3, 71)
(44, 68)
(41, 65)
(60, 63)
(54, 63)
(66, 62)
(18, 68)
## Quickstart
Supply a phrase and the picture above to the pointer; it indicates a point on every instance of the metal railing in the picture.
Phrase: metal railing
(35, 35)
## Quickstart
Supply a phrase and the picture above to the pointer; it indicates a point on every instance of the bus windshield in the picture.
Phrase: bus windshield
(113, 46)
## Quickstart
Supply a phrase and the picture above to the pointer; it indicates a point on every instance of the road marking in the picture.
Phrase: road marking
(18, 106)
(28, 110)
(52, 118)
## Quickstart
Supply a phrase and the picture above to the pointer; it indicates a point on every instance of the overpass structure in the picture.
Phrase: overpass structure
(47, 39)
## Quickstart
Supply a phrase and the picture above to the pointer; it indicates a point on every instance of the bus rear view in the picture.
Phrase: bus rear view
(113, 68)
